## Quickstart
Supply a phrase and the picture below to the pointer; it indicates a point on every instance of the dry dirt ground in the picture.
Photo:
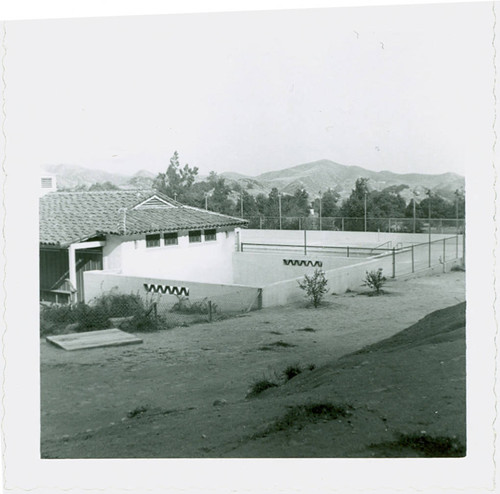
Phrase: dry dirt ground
(183, 392)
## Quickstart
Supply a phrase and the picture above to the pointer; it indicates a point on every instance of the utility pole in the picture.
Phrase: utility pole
(279, 203)
(415, 193)
(241, 200)
(320, 212)
(429, 194)
(206, 200)
(457, 193)
(365, 209)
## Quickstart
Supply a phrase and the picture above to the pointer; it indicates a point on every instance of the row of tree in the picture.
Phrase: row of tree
(214, 193)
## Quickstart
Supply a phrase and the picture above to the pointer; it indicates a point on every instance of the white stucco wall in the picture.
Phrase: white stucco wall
(207, 261)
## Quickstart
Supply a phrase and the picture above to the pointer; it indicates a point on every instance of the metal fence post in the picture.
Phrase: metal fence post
(444, 255)
(305, 242)
(347, 251)
(412, 259)
(456, 246)
(342, 223)
(429, 251)
(393, 262)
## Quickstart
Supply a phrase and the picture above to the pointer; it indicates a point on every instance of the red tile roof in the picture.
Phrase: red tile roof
(69, 217)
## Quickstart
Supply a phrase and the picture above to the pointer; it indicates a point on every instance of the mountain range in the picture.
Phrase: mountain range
(314, 177)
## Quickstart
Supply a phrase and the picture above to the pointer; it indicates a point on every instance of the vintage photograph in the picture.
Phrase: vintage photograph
(251, 247)
(252, 229)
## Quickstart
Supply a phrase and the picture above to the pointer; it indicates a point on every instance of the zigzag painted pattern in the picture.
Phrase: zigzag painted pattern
(171, 290)
(297, 262)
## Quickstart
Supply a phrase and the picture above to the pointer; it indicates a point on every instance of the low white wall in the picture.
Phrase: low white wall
(337, 238)
(250, 268)
(227, 297)
(339, 280)
(409, 262)
(207, 261)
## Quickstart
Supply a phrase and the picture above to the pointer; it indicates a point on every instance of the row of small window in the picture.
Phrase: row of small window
(154, 239)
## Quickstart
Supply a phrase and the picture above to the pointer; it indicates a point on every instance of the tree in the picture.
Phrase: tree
(354, 205)
(177, 180)
(329, 204)
(219, 198)
(103, 186)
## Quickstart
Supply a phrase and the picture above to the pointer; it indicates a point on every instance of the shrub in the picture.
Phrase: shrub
(375, 280)
(96, 315)
(314, 286)
(185, 306)
(260, 386)
(299, 415)
(425, 444)
(291, 371)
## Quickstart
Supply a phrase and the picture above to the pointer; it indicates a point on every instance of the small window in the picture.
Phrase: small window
(170, 238)
(210, 235)
(195, 236)
(153, 240)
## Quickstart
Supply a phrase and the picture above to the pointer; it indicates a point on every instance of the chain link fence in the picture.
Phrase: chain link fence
(358, 224)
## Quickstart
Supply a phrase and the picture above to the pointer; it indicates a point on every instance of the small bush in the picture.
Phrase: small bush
(260, 386)
(96, 315)
(185, 306)
(375, 280)
(291, 371)
(137, 411)
(314, 286)
(430, 446)
(299, 415)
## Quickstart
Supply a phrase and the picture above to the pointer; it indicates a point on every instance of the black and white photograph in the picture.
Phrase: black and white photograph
(248, 235)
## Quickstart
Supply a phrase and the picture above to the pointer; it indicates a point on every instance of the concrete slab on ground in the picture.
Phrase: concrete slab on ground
(93, 339)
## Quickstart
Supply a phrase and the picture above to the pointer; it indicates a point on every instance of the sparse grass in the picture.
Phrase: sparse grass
(259, 386)
(282, 344)
(137, 411)
(311, 367)
(300, 415)
(458, 267)
(430, 446)
(291, 371)
(278, 344)
(307, 330)
(275, 332)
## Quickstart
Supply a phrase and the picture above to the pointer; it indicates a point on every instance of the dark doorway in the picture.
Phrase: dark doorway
(86, 260)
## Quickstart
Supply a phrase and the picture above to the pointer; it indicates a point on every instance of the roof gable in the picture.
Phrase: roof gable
(154, 202)
(69, 217)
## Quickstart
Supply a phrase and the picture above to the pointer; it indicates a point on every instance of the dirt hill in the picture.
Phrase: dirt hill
(194, 392)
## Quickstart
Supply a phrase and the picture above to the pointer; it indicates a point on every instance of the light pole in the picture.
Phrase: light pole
(320, 213)
(457, 195)
(429, 194)
(365, 209)
(279, 204)
(415, 193)
(206, 200)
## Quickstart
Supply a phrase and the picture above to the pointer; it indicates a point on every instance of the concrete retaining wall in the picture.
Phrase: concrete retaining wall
(260, 269)
(229, 298)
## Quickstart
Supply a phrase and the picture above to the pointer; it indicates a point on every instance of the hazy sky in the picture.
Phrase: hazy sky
(406, 89)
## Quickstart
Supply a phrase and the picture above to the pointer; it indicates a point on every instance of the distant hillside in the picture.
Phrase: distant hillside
(70, 176)
(314, 177)
(323, 174)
